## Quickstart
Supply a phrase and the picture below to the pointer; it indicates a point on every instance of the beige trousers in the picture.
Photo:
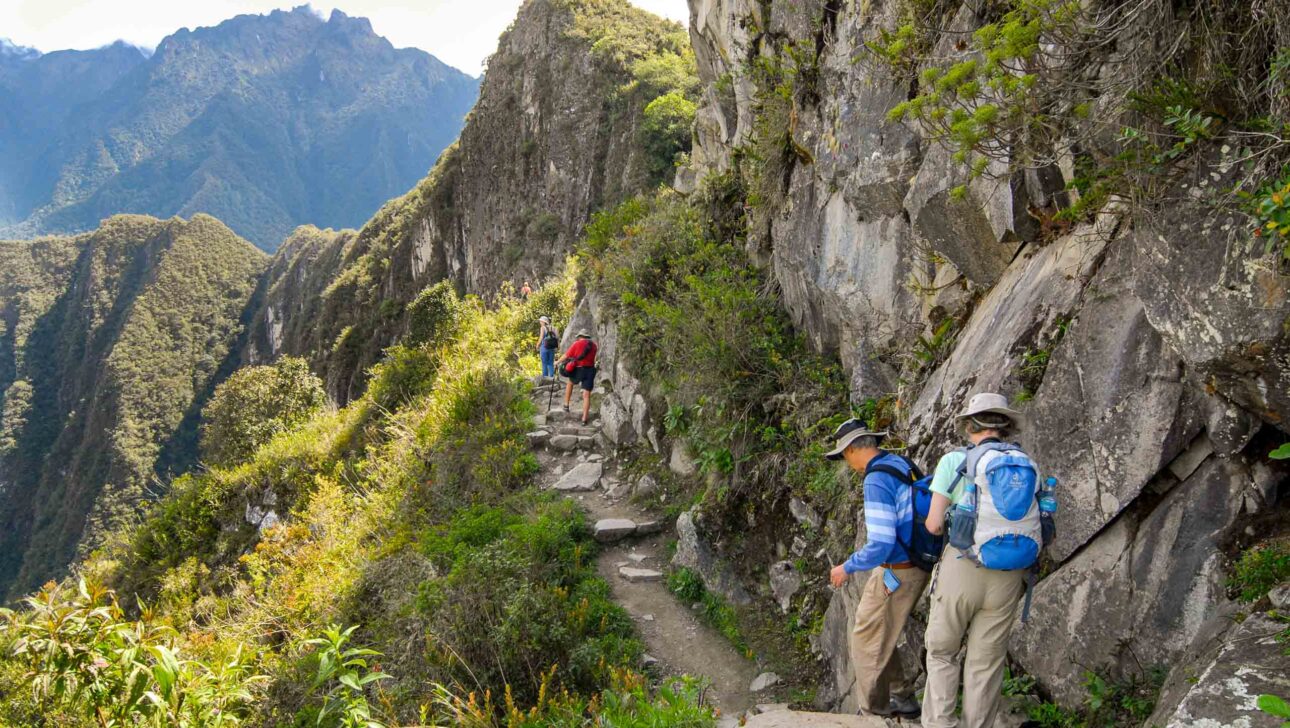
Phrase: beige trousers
(880, 618)
(982, 604)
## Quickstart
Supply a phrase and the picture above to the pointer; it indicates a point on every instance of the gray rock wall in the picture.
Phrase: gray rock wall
(1162, 339)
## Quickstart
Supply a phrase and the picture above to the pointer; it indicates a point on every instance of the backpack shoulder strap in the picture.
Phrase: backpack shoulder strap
(891, 470)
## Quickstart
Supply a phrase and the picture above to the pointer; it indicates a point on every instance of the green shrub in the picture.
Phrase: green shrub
(433, 315)
(1259, 570)
(256, 404)
(665, 132)
(689, 588)
(81, 657)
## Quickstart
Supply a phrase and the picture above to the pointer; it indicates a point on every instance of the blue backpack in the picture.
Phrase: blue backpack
(924, 547)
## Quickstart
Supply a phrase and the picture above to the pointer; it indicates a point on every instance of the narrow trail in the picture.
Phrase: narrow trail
(633, 559)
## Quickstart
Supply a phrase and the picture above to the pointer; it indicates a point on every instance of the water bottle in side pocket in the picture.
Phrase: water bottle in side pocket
(1048, 509)
(963, 522)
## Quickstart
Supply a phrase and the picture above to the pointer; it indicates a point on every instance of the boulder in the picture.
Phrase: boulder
(564, 443)
(785, 582)
(1221, 687)
(1208, 287)
(617, 424)
(1140, 592)
(582, 478)
(764, 681)
(1112, 411)
(681, 463)
(645, 487)
(608, 530)
(1043, 285)
(694, 553)
(804, 513)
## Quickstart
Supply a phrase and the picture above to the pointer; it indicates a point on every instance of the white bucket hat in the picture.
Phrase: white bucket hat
(847, 433)
(544, 319)
(992, 403)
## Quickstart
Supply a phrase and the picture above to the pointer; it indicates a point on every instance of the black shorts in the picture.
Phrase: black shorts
(586, 376)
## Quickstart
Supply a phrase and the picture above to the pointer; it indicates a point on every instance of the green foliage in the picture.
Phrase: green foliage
(1270, 210)
(255, 405)
(1107, 704)
(433, 316)
(979, 105)
(665, 131)
(1260, 569)
(517, 595)
(344, 671)
(692, 314)
(628, 702)
(1282, 452)
(689, 588)
(83, 659)
(1276, 707)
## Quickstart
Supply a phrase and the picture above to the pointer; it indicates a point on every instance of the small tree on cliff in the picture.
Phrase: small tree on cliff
(254, 405)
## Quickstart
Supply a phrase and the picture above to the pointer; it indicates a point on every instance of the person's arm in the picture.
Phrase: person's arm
(936, 514)
(880, 531)
(943, 480)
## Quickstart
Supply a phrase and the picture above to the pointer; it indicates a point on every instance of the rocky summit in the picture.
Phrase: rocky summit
(266, 122)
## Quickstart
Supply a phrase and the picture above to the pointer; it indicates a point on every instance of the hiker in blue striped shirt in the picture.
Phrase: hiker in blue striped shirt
(894, 584)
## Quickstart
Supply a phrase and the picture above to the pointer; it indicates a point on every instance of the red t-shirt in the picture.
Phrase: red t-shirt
(582, 353)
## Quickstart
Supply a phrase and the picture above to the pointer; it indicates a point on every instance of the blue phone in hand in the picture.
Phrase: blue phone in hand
(890, 580)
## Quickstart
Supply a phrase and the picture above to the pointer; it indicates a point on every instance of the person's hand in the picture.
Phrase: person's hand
(838, 576)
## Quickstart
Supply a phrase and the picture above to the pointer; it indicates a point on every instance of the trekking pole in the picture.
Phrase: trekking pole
(550, 394)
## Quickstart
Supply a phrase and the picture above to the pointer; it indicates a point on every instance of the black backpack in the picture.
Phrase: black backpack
(924, 547)
(550, 340)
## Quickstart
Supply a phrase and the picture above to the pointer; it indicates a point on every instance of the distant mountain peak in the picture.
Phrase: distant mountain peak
(9, 49)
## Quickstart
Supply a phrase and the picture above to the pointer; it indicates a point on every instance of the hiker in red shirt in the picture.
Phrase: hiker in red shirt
(579, 365)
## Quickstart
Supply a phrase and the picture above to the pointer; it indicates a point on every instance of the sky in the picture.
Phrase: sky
(461, 33)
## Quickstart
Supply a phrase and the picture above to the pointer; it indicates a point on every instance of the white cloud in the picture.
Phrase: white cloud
(461, 33)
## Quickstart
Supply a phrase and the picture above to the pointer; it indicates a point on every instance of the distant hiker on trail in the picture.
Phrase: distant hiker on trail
(548, 343)
(526, 290)
(999, 518)
(895, 582)
(579, 365)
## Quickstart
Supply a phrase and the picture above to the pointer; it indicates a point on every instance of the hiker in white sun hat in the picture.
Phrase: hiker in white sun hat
(990, 488)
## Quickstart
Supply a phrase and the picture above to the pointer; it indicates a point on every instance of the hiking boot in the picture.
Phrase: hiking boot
(907, 708)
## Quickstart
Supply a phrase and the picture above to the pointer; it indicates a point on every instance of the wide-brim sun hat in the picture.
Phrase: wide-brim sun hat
(991, 403)
(847, 433)
(544, 319)
(583, 334)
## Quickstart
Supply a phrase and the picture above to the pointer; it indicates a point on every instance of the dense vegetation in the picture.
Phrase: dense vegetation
(118, 336)
(410, 514)
(266, 122)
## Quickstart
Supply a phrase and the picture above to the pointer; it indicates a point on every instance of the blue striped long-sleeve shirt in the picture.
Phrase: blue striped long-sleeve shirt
(888, 518)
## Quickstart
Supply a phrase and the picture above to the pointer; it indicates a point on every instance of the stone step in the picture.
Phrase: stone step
(609, 530)
(569, 443)
(583, 478)
(635, 574)
(538, 438)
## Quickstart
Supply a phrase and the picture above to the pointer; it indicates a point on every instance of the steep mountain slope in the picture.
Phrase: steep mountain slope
(38, 94)
(111, 339)
(265, 122)
(933, 192)
(566, 123)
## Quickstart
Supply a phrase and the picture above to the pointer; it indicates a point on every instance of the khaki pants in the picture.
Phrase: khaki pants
(880, 618)
(982, 604)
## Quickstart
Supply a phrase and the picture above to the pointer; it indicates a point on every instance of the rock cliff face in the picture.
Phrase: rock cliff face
(554, 137)
(111, 340)
(1148, 342)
